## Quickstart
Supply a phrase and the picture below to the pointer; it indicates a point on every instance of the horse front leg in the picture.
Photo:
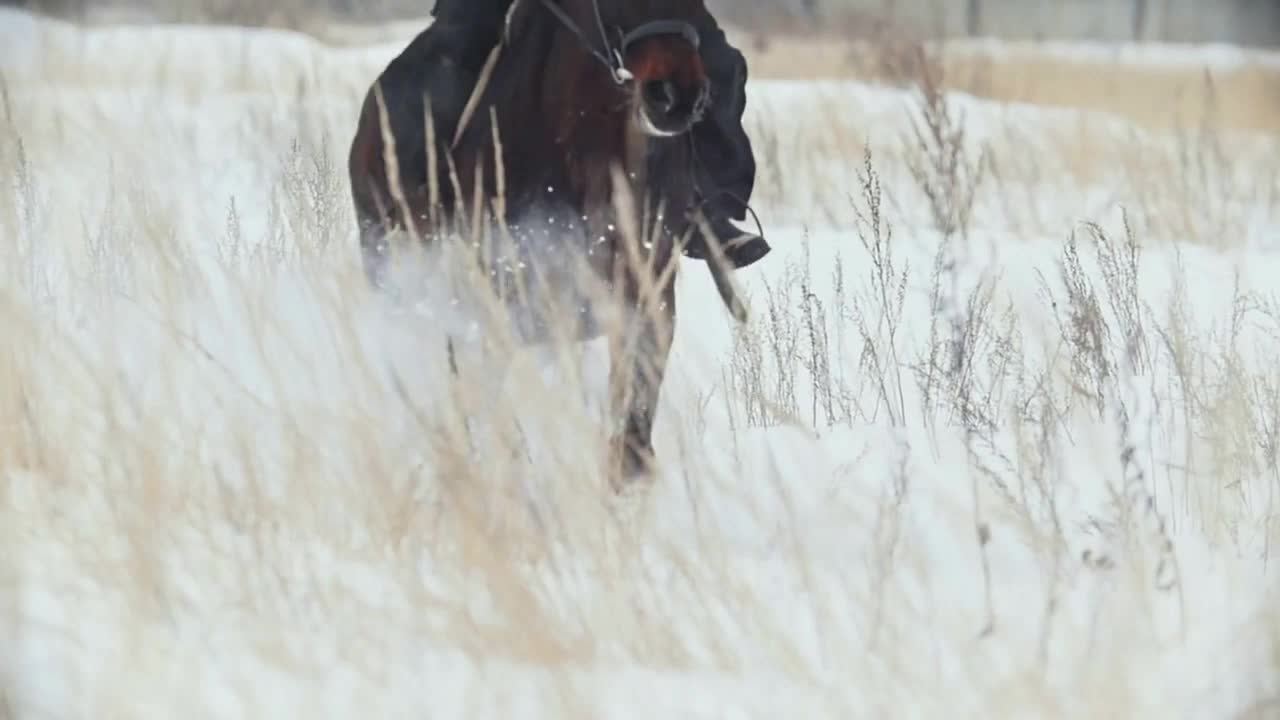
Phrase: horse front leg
(373, 253)
(638, 355)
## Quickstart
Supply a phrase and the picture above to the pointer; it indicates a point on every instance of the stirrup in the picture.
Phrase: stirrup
(742, 249)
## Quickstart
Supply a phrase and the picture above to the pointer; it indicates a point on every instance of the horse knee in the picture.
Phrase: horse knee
(631, 462)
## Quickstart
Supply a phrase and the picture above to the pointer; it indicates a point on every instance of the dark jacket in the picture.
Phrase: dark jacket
(475, 13)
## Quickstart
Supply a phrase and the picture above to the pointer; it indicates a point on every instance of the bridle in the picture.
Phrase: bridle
(612, 56)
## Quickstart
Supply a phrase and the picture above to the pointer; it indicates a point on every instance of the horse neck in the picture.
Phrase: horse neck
(638, 148)
(518, 97)
(555, 91)
(552, 107)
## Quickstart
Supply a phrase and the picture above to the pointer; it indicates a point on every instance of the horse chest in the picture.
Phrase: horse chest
(637, 157)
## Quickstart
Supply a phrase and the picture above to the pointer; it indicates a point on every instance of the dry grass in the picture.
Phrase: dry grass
(933, 475)
(1195, 178)
(1154, 94)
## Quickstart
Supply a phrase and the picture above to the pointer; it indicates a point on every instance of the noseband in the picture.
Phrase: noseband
(612, 56)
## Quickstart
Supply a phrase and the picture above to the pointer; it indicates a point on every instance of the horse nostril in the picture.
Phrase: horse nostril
(670, 89)
(661, 94)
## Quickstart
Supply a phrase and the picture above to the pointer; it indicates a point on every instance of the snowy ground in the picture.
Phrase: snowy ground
(216, 501)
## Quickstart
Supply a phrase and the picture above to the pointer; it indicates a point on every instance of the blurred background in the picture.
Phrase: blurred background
(1238, 22)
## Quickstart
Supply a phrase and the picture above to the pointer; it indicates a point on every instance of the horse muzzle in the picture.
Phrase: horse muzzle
(669, 107)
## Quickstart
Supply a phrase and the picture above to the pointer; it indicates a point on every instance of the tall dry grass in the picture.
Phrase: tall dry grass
(1154, 87)
(923, 479)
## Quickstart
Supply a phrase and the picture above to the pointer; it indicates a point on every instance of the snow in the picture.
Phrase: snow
(225, 494)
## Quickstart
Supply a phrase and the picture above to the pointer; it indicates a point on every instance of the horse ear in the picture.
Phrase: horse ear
(517, 20)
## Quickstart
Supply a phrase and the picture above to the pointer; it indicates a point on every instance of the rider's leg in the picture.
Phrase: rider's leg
(726, 165)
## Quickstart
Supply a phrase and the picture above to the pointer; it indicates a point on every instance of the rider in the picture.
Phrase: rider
(446, 59)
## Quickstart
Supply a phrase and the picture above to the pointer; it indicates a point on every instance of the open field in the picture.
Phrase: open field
(1155, 86)
(1001, 439)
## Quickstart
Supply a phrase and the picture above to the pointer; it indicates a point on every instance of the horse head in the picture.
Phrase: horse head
(641, 54)
(659, 49)
(597, 86)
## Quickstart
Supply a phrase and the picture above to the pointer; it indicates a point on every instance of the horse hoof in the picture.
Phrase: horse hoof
(631, 467)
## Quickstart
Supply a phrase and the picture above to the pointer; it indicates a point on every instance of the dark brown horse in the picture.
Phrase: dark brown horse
(576, 143)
